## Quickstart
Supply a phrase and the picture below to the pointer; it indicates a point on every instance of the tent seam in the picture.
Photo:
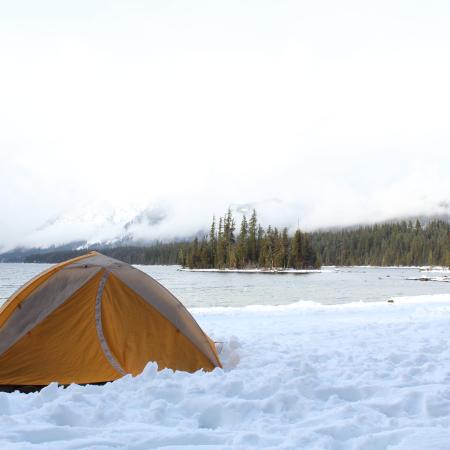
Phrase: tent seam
(98, 325)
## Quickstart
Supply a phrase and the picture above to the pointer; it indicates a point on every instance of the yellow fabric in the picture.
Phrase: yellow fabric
(10, 305)
(214, 349)
(137, 333)
(63, 348)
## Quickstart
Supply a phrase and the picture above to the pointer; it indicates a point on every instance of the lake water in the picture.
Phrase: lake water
(332, 286)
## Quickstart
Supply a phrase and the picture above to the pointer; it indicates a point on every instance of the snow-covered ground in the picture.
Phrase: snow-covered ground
(438, 269)
(444, 278)
(274, 270)
(443, 271)
(429, 269)
(368, 376)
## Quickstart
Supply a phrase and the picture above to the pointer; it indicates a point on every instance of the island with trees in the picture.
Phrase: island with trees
(251, 247)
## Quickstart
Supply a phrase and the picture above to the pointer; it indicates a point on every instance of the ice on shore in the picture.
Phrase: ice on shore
(367, 376)
(444, 278)
(436, 269)
(256, 270)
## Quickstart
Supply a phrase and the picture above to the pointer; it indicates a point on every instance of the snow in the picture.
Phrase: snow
(443, 271)
(256, 270)
(444, 278)
(366, 376)
(438, 269)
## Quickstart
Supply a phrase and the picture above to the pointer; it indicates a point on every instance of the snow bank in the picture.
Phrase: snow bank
(294, 271)
(304, 376)
(438, 269)
(444, 278)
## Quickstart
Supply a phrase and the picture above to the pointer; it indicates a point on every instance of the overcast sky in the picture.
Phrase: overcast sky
(337, 112)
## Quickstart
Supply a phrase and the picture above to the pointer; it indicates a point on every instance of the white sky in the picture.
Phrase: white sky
(340, 111)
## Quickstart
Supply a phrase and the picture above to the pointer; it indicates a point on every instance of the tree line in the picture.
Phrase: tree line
(251, 247)
(158, 253)
(389, 244)
(402, 243)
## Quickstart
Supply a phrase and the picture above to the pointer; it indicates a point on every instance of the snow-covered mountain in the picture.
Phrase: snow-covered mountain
(99, 224)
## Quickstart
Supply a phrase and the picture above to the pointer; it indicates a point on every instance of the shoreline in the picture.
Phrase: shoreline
(443, 279)
(271, 271)
(323, 269)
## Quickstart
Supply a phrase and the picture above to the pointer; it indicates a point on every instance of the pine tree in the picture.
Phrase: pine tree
(285, 245)
(259, 243)
(203, 258)
(228, 236)
(194, 255)
(212, 245)
(296, 257)
(418, 226)
(221, 246)
(252, 239)
(181, 259)
(242, 245)
(278, 249)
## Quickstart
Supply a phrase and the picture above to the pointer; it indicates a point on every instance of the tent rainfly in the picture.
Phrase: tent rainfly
(94, 319)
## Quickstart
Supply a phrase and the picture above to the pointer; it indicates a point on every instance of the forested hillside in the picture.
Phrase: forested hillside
(400, 243)
(157, 253)
(389, 244)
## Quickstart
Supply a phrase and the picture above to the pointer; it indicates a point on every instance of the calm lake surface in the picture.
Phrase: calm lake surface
(333, 286)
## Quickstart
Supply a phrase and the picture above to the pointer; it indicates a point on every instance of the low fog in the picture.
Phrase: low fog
(318, 114)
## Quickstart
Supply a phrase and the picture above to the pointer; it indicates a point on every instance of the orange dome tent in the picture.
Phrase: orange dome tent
(94, 319)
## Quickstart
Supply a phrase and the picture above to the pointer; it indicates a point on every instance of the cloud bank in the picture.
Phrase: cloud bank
(313, 113)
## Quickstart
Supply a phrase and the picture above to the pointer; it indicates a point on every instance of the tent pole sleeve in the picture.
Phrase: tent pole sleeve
(98, 324)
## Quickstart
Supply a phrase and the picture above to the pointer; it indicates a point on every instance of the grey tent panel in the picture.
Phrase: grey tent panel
(42, 302)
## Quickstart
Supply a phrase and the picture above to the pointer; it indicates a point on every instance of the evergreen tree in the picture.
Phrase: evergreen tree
(252, 238)
(203, 258)
(296, 257)
(278, 249)
(181, 259)
(259, 242)
(242, 245)
(221, 246)
(229, 238)
(285, 246)
(212, 245)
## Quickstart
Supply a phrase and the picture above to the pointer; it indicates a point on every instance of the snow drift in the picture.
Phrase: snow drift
(356, 376)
